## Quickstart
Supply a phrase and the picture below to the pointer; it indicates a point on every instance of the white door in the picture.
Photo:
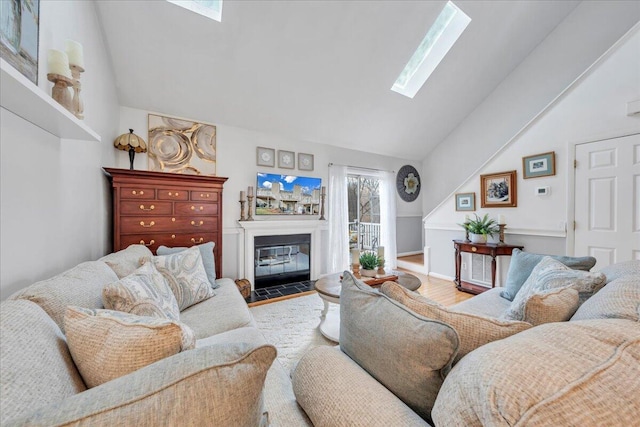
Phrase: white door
(607, 200)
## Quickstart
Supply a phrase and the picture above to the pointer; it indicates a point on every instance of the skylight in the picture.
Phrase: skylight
(209, 8)
(436, 44)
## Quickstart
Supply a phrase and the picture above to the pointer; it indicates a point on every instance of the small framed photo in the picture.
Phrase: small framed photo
(265, 157)
(466, 201)
(305, 162)
(286, 159)
(499, 190)
(539, 165)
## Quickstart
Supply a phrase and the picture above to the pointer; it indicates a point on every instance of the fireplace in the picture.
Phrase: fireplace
(281, 259)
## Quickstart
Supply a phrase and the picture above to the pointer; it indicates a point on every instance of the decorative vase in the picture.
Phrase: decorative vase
(478, 238)
(368, 273)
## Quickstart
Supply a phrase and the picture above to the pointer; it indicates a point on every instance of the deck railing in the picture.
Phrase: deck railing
(368, 232)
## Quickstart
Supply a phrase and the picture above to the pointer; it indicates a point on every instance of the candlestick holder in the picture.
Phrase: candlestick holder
(466, 232)
(77, 103)
(250, 209)
(242, 217)
(501, 231)
(59, 91)
(322, 197)
(355, 269)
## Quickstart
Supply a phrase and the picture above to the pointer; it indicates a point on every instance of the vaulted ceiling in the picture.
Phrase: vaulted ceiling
(319, 71)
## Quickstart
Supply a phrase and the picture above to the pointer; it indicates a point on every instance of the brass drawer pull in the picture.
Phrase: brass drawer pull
(176, 194)
(474, 249)
(145, 209)
(147, 244)
(135, 193)
(204, 195)
(151, 224)
(193, 240)
(197, 225)
(201, 208)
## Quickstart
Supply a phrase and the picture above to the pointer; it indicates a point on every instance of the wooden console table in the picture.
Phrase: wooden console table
(492, 249)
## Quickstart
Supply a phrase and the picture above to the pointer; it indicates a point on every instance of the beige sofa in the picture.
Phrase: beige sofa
(584, 372)
(217, 383)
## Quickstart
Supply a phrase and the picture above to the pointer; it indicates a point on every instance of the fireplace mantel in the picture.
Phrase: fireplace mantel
(251, 229)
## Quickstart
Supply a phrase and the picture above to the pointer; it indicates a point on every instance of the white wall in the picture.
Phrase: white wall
(55, 200)
(593, 108)
(236, 159)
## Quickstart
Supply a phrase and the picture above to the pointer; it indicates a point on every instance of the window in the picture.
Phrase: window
(440, 38)
(210, 8)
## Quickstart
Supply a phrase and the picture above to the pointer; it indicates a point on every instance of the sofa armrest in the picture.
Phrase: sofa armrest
(216, 385)
(335, 391)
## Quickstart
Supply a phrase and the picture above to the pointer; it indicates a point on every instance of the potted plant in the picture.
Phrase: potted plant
(480, 228)
(369, 263)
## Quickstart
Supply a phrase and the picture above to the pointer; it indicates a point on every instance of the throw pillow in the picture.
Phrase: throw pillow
(621, 269)
(547, 276)
(108, 344)
(186, 276)
(208, 260)
(523, 263)
(474, 331)
(145, 292)
(555, 305)
(126, 261)
(407, 353)
(620, 299)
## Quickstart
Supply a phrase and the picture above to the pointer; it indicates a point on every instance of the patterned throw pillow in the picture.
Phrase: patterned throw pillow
(126, 261)
(186, 276)
(547, 277)
(208, 260)
(145, 292)
(108, 344)
(474, 331)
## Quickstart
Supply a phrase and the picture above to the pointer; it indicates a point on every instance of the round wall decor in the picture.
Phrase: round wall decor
(408, 183)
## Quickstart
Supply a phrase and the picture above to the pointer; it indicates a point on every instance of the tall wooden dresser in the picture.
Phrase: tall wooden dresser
(157, 208)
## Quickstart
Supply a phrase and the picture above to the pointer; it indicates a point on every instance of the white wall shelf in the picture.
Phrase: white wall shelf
(20, 96)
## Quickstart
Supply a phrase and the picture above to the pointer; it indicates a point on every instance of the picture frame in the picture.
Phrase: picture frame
(305, 162)
(286, 159)
(19, 36)
(466, 202)
(499, 190)
(265, 157)
(539, 165)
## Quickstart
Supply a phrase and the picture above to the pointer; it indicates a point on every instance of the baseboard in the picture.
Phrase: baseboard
(441, 276)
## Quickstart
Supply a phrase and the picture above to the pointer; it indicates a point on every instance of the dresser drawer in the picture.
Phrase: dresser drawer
(152, 241)
(207, 195)
(196, 208)
(142, 193)
(154, 224)
(147, 208)
(173, 194)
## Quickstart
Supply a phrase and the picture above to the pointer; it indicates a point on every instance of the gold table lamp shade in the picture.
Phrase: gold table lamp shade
(132, 143)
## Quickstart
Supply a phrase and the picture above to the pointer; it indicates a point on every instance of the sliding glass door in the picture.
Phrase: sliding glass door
(363, 198)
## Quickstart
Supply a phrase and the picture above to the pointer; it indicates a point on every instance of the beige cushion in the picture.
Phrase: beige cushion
(548, 276)
(145, 292)
(185, 273)
(582, 373)
(126, 261)
(619, 299)
(107, 344)
(407, 353)
(474, 331)
(81, 285)
(555, 305)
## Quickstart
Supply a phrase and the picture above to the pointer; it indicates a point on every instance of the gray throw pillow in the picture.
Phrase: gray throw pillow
(619, 299)
(523, 263)
(621, 269)
(407, 353)
(206, 251)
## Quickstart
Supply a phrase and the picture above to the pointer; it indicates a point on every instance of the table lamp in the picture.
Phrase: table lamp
(132, 143)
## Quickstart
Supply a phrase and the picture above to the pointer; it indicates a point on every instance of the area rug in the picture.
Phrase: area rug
(292, 326)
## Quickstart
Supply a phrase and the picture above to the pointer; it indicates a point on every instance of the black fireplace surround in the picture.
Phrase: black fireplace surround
(281, 259)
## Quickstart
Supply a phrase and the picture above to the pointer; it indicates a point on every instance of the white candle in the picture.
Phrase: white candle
(242, 196)
(381, 252)
(466, 217)
(250, 191)
(355, 256)
(59, 63)
(501, 219)
(74, 52)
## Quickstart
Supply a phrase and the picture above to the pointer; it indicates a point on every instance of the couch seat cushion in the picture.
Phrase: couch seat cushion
(226, 311)
(407, 353)
(522, 264)
(126, 261)
(473, 330)
(37, 369)
(144, 292)
(619, 299)
(489, 303)
(107, 344)
(583, 373)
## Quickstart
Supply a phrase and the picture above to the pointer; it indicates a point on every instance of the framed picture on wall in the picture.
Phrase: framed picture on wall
(499, 190)
(265, 157)
(539, 165)
(305, 162)
(466, 201)
(286, 159)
